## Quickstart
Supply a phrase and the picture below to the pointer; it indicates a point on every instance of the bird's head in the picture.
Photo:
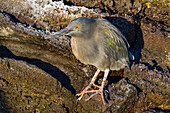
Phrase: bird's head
(78, 28)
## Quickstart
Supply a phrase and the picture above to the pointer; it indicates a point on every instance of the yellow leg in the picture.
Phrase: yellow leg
(96, 86)
(100, 91)
(89, 86)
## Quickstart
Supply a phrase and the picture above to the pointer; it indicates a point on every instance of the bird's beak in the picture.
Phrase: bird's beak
(62, 32)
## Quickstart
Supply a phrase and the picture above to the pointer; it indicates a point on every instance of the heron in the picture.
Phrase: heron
(95, 41)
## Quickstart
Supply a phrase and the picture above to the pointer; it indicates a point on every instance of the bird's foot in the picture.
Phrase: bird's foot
(100, 91)
(87, 91)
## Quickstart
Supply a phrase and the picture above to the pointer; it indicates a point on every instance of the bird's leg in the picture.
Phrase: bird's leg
(100, 91)
(89, 86)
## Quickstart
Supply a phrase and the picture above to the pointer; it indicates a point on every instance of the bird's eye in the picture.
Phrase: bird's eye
(77, 27)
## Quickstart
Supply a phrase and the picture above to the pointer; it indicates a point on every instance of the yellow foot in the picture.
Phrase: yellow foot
(100, 91)
(87, 91)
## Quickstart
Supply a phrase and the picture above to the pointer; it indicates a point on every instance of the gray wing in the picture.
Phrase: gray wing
(116, 45)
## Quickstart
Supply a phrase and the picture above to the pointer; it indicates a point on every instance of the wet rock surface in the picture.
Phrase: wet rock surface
(38, 75)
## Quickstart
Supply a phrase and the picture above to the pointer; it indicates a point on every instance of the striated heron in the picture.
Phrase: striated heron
(97, 42)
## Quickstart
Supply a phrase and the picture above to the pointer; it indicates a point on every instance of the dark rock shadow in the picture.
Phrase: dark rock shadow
(157, 110)
(47, 67)
(4, 108)
(154, 66)
(11, 17)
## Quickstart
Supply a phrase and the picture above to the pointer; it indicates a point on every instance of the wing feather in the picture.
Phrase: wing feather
(116, 45)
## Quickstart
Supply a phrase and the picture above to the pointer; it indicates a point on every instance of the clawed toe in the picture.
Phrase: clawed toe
(86, 90)
(100, 88)
(100, 91)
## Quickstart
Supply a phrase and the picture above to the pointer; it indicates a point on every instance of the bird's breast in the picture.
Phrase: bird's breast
(83, 50)
(75, 47)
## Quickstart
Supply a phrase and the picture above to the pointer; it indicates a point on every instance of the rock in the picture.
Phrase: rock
(38, 75)
(155, 10)
(24, 88)
(45, 14)
(123, 96)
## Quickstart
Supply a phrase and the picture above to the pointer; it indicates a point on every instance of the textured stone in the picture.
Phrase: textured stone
(38, 75)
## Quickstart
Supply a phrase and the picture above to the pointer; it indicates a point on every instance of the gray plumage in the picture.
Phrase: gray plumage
(97, 42)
